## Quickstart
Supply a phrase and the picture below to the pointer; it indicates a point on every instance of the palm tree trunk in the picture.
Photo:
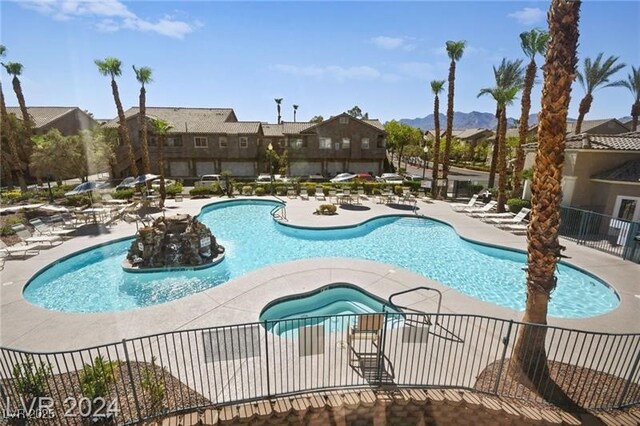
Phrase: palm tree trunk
(9, 132)
(530, 358)
(635, 112)
(278, 106)
(436, 147)
(26, 120)
(124, 130)
(518, 164)
(502, 160)
(400, 157)
(585, 106)
(494, 153)
(163, 191)
(146, 166)
(447, 141)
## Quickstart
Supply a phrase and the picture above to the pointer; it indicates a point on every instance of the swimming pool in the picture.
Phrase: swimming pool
(93, 280)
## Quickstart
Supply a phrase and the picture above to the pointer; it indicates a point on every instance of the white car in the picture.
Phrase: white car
(391, 178)
(343, 177)
(266, 178)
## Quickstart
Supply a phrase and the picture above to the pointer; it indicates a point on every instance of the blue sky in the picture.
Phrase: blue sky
(325, 56)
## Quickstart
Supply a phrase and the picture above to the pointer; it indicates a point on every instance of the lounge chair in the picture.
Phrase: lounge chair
(291, 192)
(43, 229)
(482, 216)
(26, 236)
(516, 220)
(320, 193)
(484, 209)
(462, 206)
(304, 195)
(363, 339)
(19, 251)
(64, 221)
(519, 229)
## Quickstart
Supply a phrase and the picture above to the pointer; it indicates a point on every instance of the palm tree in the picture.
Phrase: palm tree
(143, 75)
(15, 69)
(455, 49)
(436, 89)
(594, 75)
(10, 133)
(509, 80)
(532, 42)
(633, 84)
(295, 110)
(530, 358)
(278, 102)
(112, 67)
(161, 128)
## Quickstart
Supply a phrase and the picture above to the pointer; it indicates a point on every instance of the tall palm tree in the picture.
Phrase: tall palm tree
(455, 49)
(533, 42)
(10, 134)
(143, 75)
(633, 84)
(111, 67)
(595, 74)
(436, 88)
(161, 128)
(15, 69)
(509, 79)
(530, 357)
(295, 110)
(278, 102)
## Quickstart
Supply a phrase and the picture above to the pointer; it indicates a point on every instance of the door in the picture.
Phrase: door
(626, 210)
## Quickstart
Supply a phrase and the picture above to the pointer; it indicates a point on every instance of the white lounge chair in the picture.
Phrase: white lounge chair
(461, 206)
(484, 209)
(516, 220)
(43, 229)
(516, 229)
(18, 251)
(320, 193)
(304, 195)
(26, 236)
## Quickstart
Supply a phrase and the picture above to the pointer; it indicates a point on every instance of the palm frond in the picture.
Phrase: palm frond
(143, 74)
(632, 83)
(13, 68)
(597, 73)
(3, 50)
(109, 66)
(437, 86)
(278, 100)
(455, 49)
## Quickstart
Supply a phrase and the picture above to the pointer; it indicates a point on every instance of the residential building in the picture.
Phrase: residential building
(212, 140)
(68, 120)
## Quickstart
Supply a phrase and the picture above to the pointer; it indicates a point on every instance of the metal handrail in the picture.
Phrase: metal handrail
(279, 208)
(412, 290)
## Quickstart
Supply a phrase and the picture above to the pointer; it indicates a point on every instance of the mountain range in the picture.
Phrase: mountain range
(465, 120)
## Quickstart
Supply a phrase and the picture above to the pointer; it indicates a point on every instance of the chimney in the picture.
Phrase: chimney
(586, 143)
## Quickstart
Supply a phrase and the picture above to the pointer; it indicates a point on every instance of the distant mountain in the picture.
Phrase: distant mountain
(464, 120)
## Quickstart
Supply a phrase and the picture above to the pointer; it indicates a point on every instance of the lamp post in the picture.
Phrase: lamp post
(270, 151)
(425, 162)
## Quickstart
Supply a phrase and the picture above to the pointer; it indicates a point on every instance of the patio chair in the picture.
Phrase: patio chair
(320, 193)
(64, 221)
(304, 195)
(43, 229)
(482, 216)
(484, 209)
(291, 192)
(333, 194)
(516, 220)
(462, 206)
(18, 251)
(363, 339)
(27, 238)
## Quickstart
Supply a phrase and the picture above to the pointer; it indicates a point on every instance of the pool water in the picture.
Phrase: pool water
(93, 281)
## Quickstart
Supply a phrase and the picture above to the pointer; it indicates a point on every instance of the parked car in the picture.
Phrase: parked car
(413, 178)
(210, 179)
(156, 183)
(364, 176)
(316, 178)
(391, 178)
(266, 178)
(343, 177)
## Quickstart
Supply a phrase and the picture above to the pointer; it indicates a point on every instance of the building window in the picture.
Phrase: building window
(346, 143)
(244, 142)
(325, 143)
(223, 142)
(296, 143)
(200, 142)
(336, 146)
(282, 143)
(364, 143)
(173, 141)
(344, 120)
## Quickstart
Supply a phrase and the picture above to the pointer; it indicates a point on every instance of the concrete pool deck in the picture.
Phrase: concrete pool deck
(29, 327)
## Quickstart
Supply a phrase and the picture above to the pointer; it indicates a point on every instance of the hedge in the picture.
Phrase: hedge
(517, 204)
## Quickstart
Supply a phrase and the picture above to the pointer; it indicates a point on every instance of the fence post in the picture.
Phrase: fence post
(133, 383)
(629, 380)
(381, 350)
(266, 350)
(505, 342)
(585, 217)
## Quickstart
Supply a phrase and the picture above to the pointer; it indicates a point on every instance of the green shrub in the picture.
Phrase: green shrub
(398, 189)
(31, 379)
(174, 189)
(15, 196)
(59, 191)
(153, 387)
(327, 209)
(123, 194)
(311, 189)
(517, 204)
(281, 190)
(260, 191)
(76, 200)
(203, 191)
(326, 187)
(95, 379)
(475, 189)
(247, 190)
(376, 191)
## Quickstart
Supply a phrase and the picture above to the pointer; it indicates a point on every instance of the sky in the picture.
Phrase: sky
(325, 57)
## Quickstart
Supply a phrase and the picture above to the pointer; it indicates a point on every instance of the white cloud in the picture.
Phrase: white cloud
(391, 43)
(529, 16)
(335, 72)
(109, 16)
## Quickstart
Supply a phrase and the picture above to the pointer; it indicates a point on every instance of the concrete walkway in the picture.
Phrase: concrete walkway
(29, 327)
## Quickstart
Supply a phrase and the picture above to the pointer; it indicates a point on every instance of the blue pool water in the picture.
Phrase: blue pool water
(341, 301)
(93, 281)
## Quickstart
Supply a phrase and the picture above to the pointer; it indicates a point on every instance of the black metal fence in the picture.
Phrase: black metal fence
(180, 371)
(602, 232)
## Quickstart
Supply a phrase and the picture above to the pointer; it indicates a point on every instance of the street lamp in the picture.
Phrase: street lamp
(270, 151)
(425, 163)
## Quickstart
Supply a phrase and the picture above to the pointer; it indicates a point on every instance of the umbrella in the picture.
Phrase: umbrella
(142, 179)
(84, 187)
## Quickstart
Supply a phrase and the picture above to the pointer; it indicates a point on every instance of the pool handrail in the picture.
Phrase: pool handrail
(394, 305)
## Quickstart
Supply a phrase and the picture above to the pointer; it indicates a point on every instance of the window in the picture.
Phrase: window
(297, 143)
(627, 208)
(336, 146)
(325, 143)
(364, 143)
(346, 143)
(344, 120)
(173, 141)
(200, 142)
(223, 142)
(244, 142)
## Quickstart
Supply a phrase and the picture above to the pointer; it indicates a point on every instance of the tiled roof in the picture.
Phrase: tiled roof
(192, 120)
(626, 172)
(375, 123)
(272, 130)
(42, 115)
(289, 128)
(622, 142)
(471, 133)
(238, 127)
